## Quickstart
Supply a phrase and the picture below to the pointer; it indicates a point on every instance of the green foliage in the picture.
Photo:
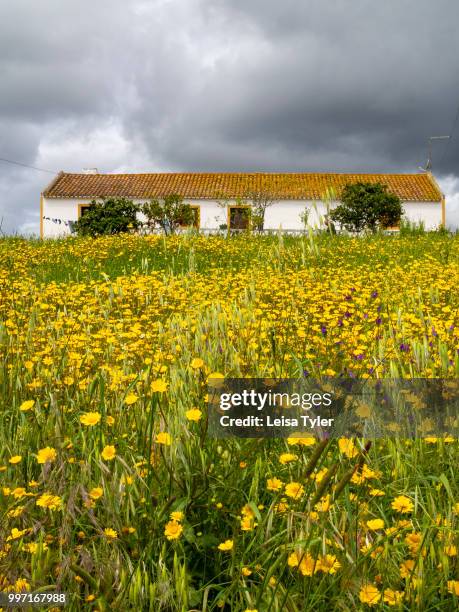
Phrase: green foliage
(111, 216)
(410, 228)
(367, 206)
(304, 216)
(328, 225)
(257, 220)
(260, 201)
(169, 213)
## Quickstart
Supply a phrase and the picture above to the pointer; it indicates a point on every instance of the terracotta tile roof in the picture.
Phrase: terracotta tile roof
(288, 186)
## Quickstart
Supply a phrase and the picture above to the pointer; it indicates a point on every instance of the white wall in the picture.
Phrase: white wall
(63, 209)
(286, 214)
(427, 212)
(283, 214)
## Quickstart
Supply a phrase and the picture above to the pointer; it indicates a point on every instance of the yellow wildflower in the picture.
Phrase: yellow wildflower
(294, 489)
(196, 363)
(194, 414)
(375, 524)
(292, 560)
(163, 438)
(47, 500)
(287, 458)
(370, 594)
(402, 504)
(347, 447)
(158, 386)
(90, 418)
(108, 453)
(46, 455)
(406, 568)
(391, 597)
(307, 565)
(27, 405)
(227, 545)
(96, 492)
(274, 484)
(328, 564)
(173, 530)
(453, 587)
(16, 534)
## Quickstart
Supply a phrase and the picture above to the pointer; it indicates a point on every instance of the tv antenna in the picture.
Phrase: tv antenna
(429, 159)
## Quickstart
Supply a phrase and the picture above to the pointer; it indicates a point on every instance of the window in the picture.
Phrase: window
(83, 209)
(196, 218)
(239, 217)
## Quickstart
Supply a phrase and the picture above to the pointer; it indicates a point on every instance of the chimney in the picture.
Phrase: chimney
(90, 171)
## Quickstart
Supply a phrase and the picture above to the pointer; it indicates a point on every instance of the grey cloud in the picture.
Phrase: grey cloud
(225, 85)
(378, 82)
(59, 59)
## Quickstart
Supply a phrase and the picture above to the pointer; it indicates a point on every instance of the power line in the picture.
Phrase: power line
(10, 161)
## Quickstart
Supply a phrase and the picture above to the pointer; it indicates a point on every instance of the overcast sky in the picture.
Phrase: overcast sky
(224, 85)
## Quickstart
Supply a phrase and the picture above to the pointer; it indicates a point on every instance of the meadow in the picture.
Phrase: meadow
(111, 488)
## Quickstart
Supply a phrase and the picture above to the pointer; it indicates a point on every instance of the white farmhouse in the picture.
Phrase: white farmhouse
(219, 198)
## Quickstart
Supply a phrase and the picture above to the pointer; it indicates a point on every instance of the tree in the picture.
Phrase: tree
(304, 217)
(367, 206)
(110, 216)
(168, 213)
(255, 202)
(260, 199)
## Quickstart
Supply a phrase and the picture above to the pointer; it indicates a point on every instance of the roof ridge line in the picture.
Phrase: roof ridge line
(244, 173)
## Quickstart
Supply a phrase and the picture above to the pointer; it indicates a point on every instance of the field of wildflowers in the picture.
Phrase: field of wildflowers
(112, 491)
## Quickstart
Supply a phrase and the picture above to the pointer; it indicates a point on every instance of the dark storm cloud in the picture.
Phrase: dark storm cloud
(330, 78)
(224, 85)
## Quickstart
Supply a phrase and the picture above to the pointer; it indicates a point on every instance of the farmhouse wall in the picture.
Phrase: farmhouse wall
(285, 214)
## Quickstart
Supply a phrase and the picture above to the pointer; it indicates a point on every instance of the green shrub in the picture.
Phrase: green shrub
(110, 216)
(169, 213)
(367, 206)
